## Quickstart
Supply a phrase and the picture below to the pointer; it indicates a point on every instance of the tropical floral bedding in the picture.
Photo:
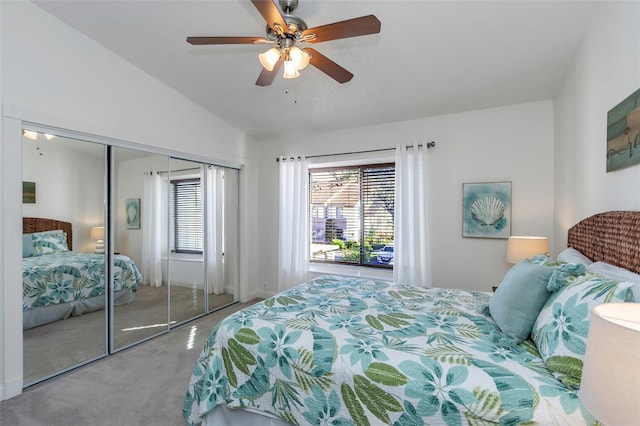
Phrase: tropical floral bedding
(66, 276)
(348, 351)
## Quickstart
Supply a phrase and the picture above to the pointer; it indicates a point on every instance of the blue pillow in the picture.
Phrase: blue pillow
(519, 299)
(27, 245)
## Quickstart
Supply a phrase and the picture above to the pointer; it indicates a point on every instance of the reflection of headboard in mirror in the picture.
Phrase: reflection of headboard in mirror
(39, 224)
(612, 237)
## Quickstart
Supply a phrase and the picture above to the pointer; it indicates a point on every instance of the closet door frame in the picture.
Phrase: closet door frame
(12, 133)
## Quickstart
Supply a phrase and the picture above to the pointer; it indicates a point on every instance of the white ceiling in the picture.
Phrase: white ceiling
(430, 58)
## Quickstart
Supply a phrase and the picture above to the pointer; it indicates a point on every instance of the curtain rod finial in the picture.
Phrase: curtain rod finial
(431, 144)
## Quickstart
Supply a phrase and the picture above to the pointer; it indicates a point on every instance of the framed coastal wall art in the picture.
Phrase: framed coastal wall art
(28, 192)
(623, 133)
(486, 210)
(133, 213)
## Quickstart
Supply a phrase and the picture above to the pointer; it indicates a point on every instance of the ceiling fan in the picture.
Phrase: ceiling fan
(287, 32)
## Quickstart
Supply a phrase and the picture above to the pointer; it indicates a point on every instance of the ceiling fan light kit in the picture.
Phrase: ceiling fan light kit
(287, 32)
(269, 58)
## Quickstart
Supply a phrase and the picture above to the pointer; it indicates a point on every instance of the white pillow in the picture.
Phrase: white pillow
(571, 255)
(615, 272)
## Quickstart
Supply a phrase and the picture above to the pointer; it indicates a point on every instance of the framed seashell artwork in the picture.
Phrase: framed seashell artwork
(486, 210)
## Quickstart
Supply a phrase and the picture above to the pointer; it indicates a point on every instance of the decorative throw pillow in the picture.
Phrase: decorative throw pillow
(519, 297)
(618, 273)
(27, 245)
(49, 242)
(560, 331)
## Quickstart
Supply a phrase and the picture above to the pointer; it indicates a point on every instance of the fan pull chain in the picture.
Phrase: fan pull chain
(295, 94)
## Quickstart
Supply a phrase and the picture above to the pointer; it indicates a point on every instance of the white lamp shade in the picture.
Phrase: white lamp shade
(97, 233)
(521, 247)
(610, 385)
(299, 57)
(290, 70)
(269, 58)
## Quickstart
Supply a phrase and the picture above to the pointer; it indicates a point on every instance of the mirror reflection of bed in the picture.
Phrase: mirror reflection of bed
(59, 335)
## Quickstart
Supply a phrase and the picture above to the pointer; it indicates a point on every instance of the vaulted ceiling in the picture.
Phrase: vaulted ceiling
(430, 57)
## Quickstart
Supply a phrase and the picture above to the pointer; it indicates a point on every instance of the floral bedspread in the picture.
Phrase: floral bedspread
(348, 351)
(66, 276)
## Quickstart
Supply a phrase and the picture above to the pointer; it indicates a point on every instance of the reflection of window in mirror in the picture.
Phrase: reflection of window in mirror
(186, 208)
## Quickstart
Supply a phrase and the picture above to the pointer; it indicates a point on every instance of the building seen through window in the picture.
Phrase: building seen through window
(352, 214)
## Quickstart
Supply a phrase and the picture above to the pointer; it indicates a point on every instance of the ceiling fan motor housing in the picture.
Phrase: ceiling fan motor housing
(288, 6)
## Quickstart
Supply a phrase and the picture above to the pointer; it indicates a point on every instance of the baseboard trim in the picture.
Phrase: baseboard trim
(262, 294)
(10, 389)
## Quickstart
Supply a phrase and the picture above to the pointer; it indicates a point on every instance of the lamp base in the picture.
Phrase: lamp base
(99, 247)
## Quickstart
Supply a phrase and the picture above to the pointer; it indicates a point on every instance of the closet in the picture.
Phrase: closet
(158, 229)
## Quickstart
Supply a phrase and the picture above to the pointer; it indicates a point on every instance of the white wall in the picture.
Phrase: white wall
(69, 185)
(513, 143)
(130, 184)
(56, 76)
(605, 71)
(52, 75)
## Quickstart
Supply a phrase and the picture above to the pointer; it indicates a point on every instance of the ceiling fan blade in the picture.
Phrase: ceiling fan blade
(328, 67)
(270, 13)
(363, 25)
(266, 77)
(226, 40)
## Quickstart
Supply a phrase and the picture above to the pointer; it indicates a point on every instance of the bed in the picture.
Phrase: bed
(58, 282)
(349, 351)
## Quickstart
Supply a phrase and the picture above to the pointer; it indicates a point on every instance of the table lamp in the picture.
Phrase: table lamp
(610, 385)
(97, 235)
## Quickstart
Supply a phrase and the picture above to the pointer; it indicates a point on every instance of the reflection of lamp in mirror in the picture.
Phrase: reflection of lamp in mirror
(97, 235)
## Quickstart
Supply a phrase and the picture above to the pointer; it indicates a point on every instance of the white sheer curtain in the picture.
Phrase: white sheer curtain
(215, 224)
(293, 241)
(152, 230)
(412, 253)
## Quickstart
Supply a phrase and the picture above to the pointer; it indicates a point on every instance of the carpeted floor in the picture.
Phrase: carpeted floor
(142, 385)
(60, 345)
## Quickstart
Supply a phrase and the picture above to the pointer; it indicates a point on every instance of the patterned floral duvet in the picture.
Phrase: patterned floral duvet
(348, 351)
(67, 276)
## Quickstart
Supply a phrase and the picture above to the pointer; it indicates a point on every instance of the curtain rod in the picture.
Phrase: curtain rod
(427, 144)
(180, 170)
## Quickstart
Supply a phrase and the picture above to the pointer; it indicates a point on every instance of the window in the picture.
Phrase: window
(186, 212)
(357, 225)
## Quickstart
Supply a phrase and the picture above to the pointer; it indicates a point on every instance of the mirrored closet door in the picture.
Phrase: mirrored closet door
(139, 194)
(223, 232)
(152, 244)
(186, 260)
(64, 320)
(203, 238)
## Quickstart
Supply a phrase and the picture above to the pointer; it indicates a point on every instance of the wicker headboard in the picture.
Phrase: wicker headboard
(39, 224)
(612, 237)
